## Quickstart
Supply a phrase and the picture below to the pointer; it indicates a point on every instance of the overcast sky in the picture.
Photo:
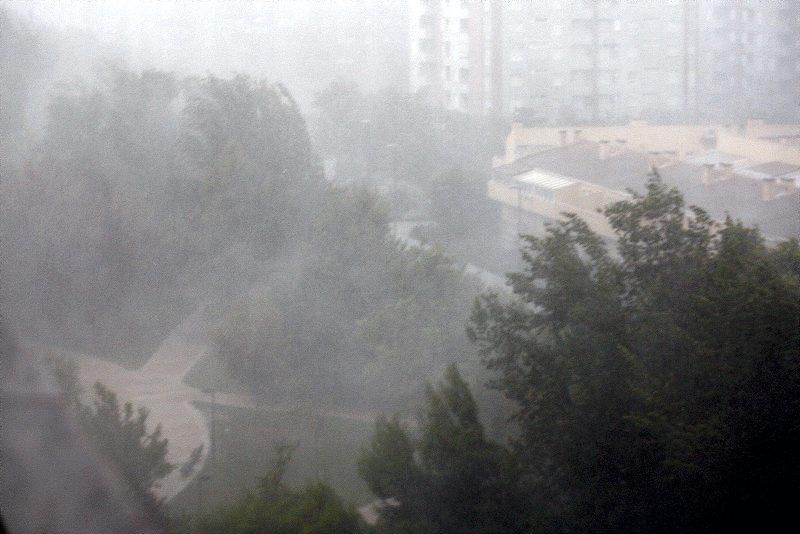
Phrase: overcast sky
(302, 43)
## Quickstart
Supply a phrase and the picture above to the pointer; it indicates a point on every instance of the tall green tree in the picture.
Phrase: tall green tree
(658, 388)
(451, 479)
(278, 509)
(117, 433)
(120, 434)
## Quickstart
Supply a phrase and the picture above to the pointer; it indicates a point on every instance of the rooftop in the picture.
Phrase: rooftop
(773, 169)
(626, 169)
(544, 179)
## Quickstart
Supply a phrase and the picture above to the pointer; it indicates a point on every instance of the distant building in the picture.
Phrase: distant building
(757, 191)
(637, 135)
(455, 53)
(608, 61)
(531, 199)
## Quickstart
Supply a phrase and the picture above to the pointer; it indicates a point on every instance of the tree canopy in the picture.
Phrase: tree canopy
(278, 509)
(656, 388)
(451, 478)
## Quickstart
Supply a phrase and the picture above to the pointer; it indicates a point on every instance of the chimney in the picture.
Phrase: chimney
(653, 158)
(775, 187)
(707, 170)
(727, 170)
(768, 188)
(576, 135)
(563, 137)
(604, 149)
(789, 185)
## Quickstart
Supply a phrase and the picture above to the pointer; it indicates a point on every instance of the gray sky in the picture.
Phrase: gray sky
(302, 43)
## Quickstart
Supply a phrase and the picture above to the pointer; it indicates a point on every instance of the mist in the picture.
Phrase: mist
(430, 265)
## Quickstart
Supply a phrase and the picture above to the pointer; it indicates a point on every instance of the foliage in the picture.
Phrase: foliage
(120, 434)
(137, 184)
(278, 509)
(117, 433)
(451, 479)
(353, 317)
(459, 203)
(656, 389)
(398, 136)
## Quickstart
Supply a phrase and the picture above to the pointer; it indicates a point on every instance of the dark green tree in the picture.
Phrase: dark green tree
(656, 389)
(451, 479)
(120, 434)
(278, 509)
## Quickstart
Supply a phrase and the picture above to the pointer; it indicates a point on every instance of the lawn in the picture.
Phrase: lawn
(326, 450)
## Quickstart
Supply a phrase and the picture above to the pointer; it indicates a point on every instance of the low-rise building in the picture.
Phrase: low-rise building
(757, 192)
(531, 199)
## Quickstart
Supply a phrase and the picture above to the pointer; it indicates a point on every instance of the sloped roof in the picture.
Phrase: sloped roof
(628, 170)
(774, 168)
(739, 197)
(581, 161)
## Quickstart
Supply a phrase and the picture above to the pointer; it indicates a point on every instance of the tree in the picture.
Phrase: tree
(117, 433)
(458, 202)
(451, 479)
(399, 135)
(120, 435)
(658, 389)
(278, 509)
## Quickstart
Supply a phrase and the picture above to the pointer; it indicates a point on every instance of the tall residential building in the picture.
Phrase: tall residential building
(600, 61)
(608, 61)
(456, 53)
(750, 59)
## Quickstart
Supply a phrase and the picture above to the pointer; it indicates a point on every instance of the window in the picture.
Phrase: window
(464, 25)
(463, 75)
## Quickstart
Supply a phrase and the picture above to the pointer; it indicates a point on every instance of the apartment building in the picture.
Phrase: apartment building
(610, 61)
(750, 58)
(751, 174)
(456, 53)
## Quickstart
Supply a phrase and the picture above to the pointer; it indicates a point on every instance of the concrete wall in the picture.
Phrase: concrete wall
(758, 128)
(641, 136)
(684, 139)
(758, 149)
(566, 201)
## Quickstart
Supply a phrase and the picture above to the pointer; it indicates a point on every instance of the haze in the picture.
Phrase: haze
(399, 266)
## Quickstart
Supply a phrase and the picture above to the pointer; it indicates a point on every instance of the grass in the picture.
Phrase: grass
(128, 336)
(326, 450)
(209, 373)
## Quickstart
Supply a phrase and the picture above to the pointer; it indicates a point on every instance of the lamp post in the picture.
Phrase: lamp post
(366, 126)
(518, 188)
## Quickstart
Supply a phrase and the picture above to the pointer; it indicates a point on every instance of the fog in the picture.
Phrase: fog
(427, 265)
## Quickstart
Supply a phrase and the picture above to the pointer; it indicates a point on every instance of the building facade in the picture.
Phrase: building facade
(609, 61)
(455, 52)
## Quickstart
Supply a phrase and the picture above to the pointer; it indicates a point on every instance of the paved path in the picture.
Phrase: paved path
(402, 231)
(159, 387)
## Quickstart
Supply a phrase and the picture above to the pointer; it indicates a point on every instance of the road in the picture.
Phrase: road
(402, 231)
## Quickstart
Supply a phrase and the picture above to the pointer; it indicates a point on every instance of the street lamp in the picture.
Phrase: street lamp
(518, 187)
